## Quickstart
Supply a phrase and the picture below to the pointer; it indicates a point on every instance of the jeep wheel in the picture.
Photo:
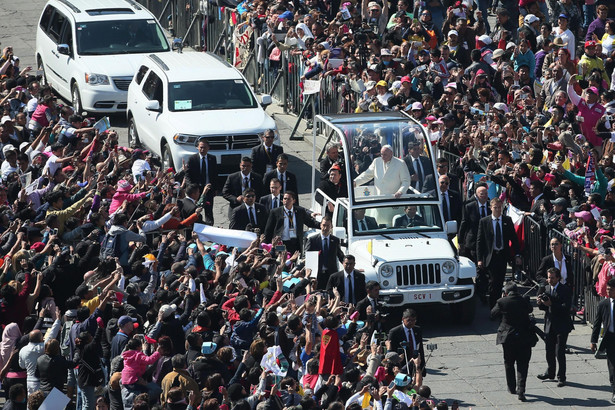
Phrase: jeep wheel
(76, 99)
(465, 310)
(41, 66)
(133, 136)
(167, 158)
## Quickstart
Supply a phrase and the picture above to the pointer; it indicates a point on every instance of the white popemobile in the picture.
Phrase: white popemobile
(400, 241)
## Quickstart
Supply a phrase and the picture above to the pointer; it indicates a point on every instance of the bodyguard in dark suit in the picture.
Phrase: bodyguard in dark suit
(238, 181)
(361, 222)
(249, 213)
(442, 169)
(409, 337)
(348, 279)
(265, 155)
(514, 336)
(274, 199)
(604, 319)
(188, 204)
(473, 210)
(555, 300)
(495, 232)
(202, 170)
(451, 200)
(288, 180)
(287, 222)
(410, 218)
(420, 167)
(329, 252)
(556, 259)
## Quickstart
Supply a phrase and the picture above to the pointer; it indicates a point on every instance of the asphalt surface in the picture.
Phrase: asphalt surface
(467, 366)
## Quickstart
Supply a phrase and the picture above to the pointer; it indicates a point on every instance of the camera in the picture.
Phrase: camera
(544, 297)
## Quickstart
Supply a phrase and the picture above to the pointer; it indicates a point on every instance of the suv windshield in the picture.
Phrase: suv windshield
(120, 37)
(210, 95)
(396, 219)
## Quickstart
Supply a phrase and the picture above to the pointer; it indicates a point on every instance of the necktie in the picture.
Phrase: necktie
(483, 212)
(290, 220)
(283, 181)
(325, 249)
(498, 235)
(269, 151)
(246, 182)
(363, 225)
(252, 218)
(275, 202)
(203, 170)
(417, 168)
(445, 207)
(350, 295)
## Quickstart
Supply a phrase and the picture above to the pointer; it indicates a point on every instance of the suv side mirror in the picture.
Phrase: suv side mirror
(153, 105)
(451, 227)
(64, 49)
(266, 100)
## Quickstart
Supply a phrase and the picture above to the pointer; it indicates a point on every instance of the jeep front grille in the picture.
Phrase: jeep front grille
(418, 274)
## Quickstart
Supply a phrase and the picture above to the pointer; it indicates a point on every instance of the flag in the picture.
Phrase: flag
(517, 217)
(230, 237)
(330, 358)
(590, 174)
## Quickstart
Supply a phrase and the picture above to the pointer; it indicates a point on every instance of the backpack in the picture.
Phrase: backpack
(111, 247)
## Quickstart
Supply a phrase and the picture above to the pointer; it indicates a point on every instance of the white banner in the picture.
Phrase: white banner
(311, 87)
(228, 237)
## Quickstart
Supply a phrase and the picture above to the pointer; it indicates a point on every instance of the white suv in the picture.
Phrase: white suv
(89, 50)
(175, 99)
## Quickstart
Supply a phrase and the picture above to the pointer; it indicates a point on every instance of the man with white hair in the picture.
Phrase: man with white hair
(390, 174)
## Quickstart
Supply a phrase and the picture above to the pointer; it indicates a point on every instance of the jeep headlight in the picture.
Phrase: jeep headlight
(386, 270)
(185, 139)
(96, 79)
(448, 267)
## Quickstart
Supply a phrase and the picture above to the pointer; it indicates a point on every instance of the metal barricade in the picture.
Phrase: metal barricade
(533, 245)
(183, 19)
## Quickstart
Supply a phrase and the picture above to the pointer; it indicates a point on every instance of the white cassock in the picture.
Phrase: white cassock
(387, 180)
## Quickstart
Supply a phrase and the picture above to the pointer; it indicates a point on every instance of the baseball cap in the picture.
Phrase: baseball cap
(8, 148)
(373, 5)
(405, 79)
(585, 215)
(592, 89)
(208, 347)
(287, 15)
(563, 16)
(402, 380)
(385, 52)
(453, 33)
(5, 119)
(393, 357)
(500, 107)
(497, 53)
(417, 106)
(123, 320)
(560, 201)
(382, 83)
(530, 18)
(590, 43)
(167, 310)
(485, 39)
(371, 84)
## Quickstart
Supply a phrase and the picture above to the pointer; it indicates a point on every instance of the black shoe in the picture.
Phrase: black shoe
(568, 351)
(613, 398)
(561, 383)
(512, 391)
(521, 397)
(545, 376)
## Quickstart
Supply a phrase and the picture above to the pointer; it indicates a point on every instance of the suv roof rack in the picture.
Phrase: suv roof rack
(159, 61)
(70, 5)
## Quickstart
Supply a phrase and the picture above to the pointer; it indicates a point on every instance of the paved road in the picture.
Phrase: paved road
(467, 365)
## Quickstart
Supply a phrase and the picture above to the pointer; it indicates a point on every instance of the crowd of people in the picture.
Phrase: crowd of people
(110, 297)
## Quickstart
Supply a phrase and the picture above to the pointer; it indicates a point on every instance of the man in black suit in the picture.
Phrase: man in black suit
(409, 337)
(361, 222)
(556, 259)
(274, 199)
(442, 169)
(410, 218)
(349, 282)
(514, 336)
(238, 181)
(333, 157)
(250, 213)
(188, 204)
(604, 319)
(451, 200)
(495, 232)
(288, 180)
(474, 209)
(202, 170)
(264, 155)
(287, 222)
(556, 300)
(329, 250)
(370, 306)
(538, 205)
(420, 167)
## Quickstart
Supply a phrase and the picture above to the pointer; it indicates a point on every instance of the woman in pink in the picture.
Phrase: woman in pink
(135, 365)
(606, 273)
(123, 194)
(590, 110)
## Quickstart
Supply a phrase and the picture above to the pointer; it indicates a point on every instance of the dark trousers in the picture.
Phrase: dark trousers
(323, 278)
(556, 347)
(609, 342)
(292, 245)
(521, 354)
(497, 273)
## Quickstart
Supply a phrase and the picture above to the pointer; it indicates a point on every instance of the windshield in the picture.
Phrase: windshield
(210, 95)
(387, 159)
(120, 37)
(396, 219)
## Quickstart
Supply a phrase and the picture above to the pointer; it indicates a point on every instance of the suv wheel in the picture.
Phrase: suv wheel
(76, 99)
(167, 158)
(133, 136)
(41, 66)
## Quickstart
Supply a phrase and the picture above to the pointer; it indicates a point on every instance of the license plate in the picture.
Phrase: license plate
(422, 296)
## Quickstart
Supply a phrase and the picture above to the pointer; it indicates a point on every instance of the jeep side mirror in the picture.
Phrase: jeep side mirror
(450, 227)
(153, 105)
(266, 100)
(64, 49)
